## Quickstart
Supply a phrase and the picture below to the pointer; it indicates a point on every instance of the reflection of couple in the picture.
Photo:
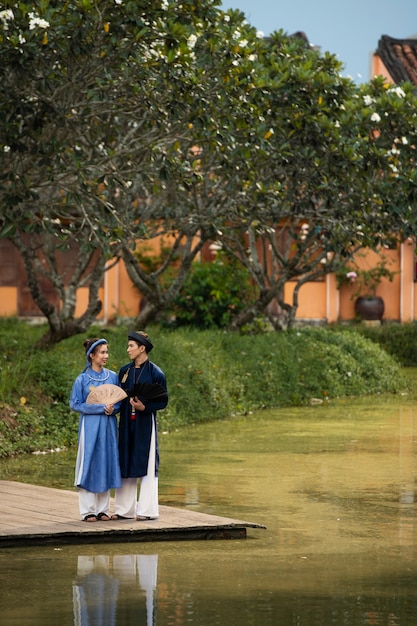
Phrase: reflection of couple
(104, 593)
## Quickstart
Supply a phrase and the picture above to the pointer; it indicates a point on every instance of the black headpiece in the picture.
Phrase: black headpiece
(141, 339)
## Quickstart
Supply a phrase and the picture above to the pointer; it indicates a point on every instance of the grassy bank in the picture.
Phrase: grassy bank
(399, 340)
(211, 375)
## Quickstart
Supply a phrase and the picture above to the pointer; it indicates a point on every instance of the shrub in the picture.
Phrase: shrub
(400, 341)
(211, 375)
(212, 294)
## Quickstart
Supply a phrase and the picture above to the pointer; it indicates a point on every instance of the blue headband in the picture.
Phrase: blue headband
(91, 348)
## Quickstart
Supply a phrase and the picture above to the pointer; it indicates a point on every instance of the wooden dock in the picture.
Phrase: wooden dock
(34, 515)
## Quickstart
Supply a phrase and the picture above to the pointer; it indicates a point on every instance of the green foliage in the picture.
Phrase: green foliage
(121, 122)
(213, 293)
(400, 341)
(211, 375)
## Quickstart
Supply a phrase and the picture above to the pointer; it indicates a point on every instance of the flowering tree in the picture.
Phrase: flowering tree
(126, 121)
(88, 95)
(197, 178)
(331, 172)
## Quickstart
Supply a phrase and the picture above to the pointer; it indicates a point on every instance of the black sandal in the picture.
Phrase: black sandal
(89, 518)
(103, 517)
(117, 516)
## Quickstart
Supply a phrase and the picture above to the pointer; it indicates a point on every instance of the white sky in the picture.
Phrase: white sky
(350, 29)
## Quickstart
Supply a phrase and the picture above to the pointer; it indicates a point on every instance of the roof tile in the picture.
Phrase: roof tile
(399, 57)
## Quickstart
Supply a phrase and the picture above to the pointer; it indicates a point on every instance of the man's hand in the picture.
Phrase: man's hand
(137, 404)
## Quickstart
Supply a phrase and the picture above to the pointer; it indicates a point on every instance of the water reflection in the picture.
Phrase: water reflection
(101, 580)
(335, 486)
(119, 589)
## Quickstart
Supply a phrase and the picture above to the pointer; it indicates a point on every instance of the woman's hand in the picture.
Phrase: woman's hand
(108, 409)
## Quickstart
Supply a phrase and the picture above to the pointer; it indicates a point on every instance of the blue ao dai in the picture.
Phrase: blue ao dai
(97, 466)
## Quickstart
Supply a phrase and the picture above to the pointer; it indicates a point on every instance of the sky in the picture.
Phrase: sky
(350, 29)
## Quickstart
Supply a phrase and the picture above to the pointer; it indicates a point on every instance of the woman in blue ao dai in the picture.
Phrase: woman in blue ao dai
(97, 467)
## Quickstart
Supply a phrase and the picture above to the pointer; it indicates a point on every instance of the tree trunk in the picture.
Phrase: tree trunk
(67, 328)
(147, 314)
(89, 270)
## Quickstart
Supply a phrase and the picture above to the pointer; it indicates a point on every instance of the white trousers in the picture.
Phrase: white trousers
(92, 503)
(125, 500)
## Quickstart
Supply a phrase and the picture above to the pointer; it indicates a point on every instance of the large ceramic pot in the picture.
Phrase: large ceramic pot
(370, 307)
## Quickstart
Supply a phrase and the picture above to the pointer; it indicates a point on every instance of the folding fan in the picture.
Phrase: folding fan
(106, 394)
(146, 392)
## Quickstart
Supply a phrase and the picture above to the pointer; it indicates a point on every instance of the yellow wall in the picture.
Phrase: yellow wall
(379, 69)
(407, 285)
(8, 302)
(390, 292)
(129, 297)
(318, 301)
(311, 298)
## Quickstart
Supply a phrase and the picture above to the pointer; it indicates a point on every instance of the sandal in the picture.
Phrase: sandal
(90, 518)
(117, 516)
(103, 517)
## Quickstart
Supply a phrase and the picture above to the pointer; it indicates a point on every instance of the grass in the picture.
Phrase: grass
(211, 376)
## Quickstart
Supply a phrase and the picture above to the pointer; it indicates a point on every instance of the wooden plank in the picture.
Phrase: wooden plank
(35, 515)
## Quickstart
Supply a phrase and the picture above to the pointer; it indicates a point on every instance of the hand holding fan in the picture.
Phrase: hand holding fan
(106, 394)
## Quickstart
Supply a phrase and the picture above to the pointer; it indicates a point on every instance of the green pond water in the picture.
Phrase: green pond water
(334, 484)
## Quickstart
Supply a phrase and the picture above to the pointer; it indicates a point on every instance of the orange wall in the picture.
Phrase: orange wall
(317, 300)
(8, 302)
(389, 291)
(323, 301)
(379, 69)
(129, 297)
(311, 298)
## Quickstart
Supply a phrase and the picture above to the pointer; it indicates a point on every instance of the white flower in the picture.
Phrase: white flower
(404, 141)
(35, 21)
(6, 16)
(337, 124)
(398, 91)
(21, 38)
(260, 34)
(368, 100)
(164, 4)
(118, 1)
(243, 43)
(191, 41)
(6, 149)
(375, 117)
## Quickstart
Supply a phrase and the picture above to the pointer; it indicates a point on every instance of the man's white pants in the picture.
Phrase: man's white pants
(125, 500)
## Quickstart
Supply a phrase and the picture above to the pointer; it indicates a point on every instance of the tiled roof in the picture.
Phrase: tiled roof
(399, 57)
